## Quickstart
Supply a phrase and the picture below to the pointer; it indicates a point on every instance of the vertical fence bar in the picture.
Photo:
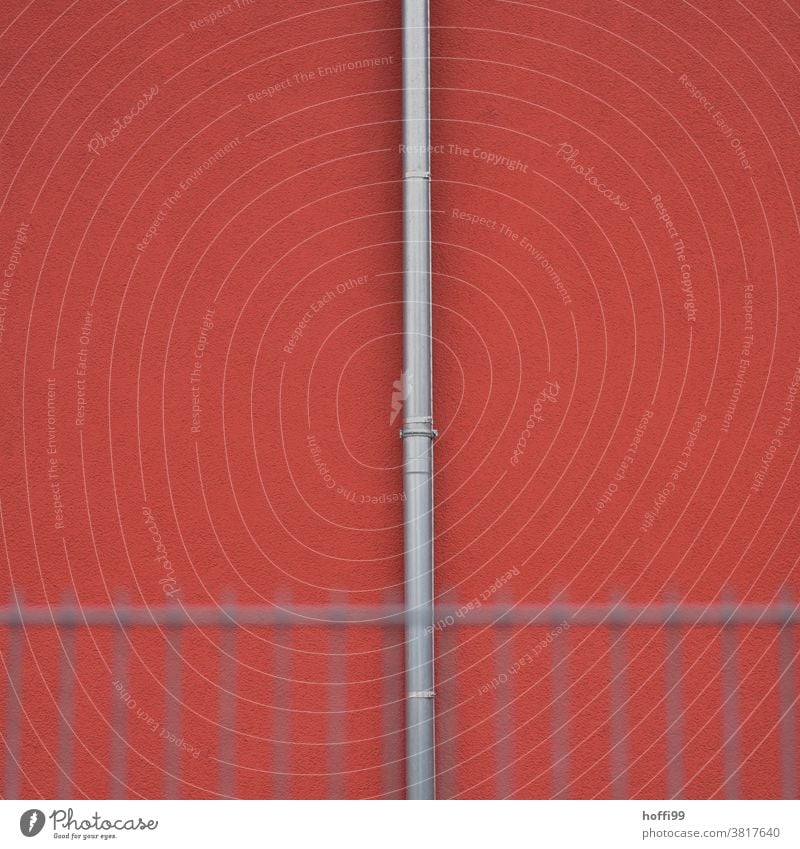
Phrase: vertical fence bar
(337, 705)
(174, 638)
(787, 696)
(730, 711)
(392, 712)
(282, 705)
(503, 720)
(66, 704)
(14, 707)
(447, 718)
(119, 713)
(674, 704)
(618, 705)
(559, 676)
(226, 753)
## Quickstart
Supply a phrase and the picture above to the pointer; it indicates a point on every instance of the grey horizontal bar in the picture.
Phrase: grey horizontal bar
(620, 615)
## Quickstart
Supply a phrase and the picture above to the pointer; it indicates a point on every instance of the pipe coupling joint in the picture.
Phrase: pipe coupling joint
(418, 426)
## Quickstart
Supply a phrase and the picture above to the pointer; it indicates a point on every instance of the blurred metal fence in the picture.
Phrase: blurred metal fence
(617, 621)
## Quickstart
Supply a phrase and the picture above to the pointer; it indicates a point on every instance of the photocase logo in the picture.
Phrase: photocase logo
(401, 389)
(31, 822)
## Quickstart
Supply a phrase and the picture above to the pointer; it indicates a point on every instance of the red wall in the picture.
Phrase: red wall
(250, 497)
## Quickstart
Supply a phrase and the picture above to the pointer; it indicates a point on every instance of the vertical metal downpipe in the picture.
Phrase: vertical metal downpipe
(417, 432)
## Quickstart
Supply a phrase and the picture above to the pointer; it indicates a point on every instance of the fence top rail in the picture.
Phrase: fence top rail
(620, 614)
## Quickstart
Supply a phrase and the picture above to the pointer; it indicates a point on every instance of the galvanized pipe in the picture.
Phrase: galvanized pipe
(417, 432)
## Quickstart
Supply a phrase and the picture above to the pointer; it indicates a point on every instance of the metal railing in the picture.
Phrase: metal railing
(475, 642)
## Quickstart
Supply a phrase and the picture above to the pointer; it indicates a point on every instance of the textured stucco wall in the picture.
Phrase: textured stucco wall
(285, 484)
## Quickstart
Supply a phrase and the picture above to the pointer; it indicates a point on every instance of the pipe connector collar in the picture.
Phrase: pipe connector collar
(418, 426)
